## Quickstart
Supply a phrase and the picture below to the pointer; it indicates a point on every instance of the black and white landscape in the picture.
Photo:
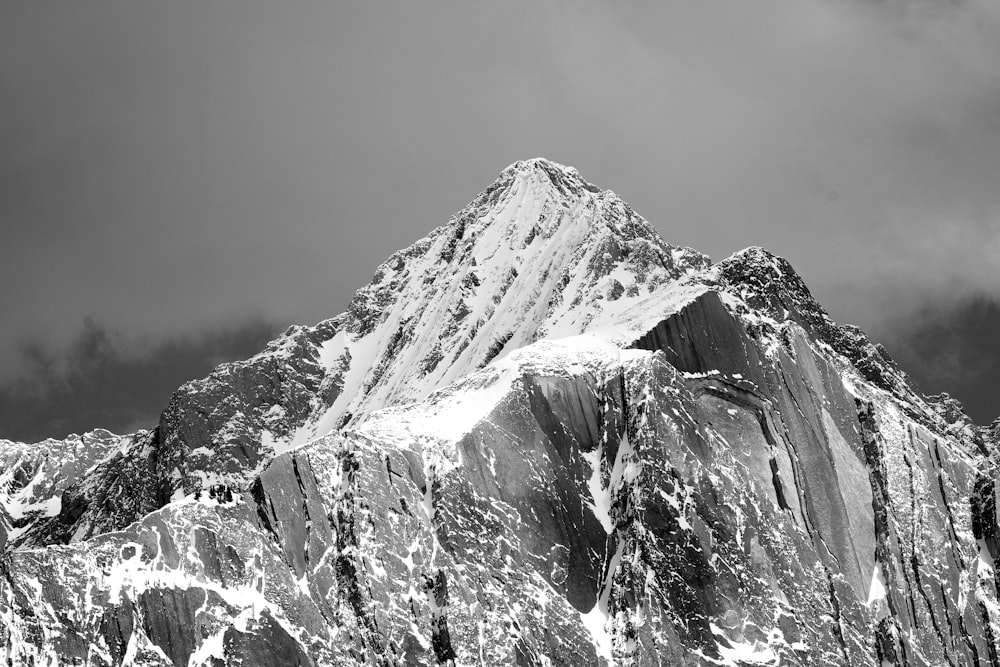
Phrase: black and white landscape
(570, 424)
(541, 435)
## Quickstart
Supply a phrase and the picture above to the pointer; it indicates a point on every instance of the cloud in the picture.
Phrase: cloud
(862, 140)
(184, 167)
(952, 347)
(106, 379)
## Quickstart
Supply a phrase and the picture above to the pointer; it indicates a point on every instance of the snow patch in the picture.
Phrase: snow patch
(877, 590)
(596, 622)
(601, 497)
(742, 653)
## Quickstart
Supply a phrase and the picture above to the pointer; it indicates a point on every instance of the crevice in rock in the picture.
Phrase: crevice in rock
(967, 637)
(983, 507)
(265, 511)
(887, 643)
(915, 566)
(838, 629)
(436, 588)
(346, 569)
(991, 641)
(779, 490)
(304, 494)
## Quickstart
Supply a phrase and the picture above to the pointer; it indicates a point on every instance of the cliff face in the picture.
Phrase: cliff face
(541, 435)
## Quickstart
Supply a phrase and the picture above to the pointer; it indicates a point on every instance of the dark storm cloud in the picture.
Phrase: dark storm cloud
(954, 351)
(107, 378)
(169, 167)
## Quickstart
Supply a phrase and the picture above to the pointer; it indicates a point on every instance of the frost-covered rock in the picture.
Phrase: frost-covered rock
(541, 435)
(34, 477)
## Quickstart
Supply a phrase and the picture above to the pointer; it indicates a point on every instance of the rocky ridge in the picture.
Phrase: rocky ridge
(541, 435)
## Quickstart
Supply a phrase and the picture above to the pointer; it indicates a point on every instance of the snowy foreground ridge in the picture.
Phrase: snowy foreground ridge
(540, 436)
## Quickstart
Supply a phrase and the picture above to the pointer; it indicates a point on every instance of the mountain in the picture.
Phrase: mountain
(540, 436)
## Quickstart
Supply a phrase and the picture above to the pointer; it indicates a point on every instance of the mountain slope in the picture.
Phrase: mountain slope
(539, 253)
(541, 435)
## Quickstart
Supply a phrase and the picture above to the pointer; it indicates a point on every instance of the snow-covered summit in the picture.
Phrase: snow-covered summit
(539, 253)
(542, 164)
(541, 415)
(560, 175)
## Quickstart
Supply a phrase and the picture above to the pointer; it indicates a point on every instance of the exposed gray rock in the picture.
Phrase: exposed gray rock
(714, 473)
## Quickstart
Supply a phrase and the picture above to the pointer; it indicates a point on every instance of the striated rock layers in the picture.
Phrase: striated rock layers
(540, 436)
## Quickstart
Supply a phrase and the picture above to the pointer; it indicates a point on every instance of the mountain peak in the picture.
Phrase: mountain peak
(539, 163)
(543, 165)
(545, 175)
(410, 480)
(540, 252)
(769, 284)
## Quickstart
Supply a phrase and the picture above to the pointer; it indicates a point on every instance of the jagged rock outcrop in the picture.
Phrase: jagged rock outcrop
(541, 435)
(540, 253)
(35, 477)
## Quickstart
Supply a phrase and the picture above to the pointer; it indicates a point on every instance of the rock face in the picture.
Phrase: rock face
(540, 436)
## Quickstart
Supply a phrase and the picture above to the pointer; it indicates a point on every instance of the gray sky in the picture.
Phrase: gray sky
(189, 173)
